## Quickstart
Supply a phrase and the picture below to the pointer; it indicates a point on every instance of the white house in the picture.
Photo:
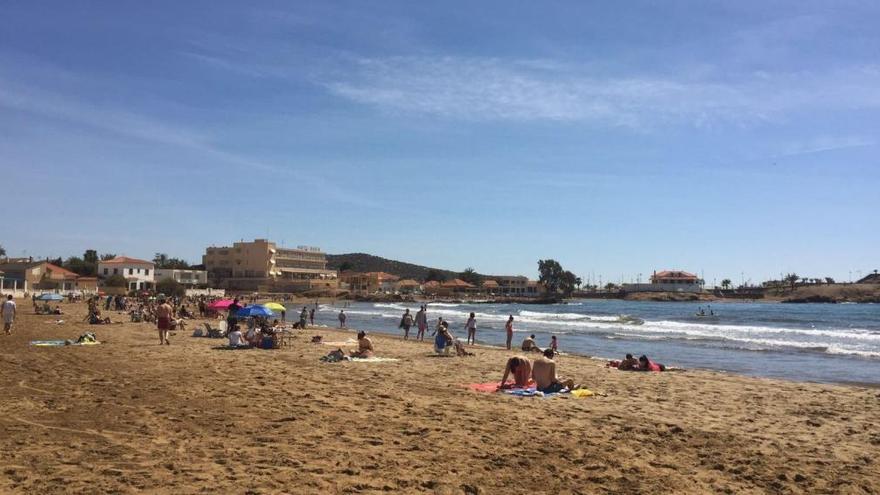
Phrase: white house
(139, 273)
(185, 277)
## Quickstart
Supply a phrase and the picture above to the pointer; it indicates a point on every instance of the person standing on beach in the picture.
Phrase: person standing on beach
(8, 312)
(406, 322)
(508, 327)
(312, 317)
(284, 314)
(342, 318)
(471, 327)
(163, 320)
(303, 315)
(422, 322)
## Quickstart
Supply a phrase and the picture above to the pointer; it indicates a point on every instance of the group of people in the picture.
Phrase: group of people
(260, 333)
(542, 370)
(629, 363)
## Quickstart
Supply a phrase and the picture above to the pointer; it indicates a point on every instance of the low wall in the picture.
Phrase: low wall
(205, 292)
(689, 288)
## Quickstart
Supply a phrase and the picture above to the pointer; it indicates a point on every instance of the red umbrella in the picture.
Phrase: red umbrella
(221, 304)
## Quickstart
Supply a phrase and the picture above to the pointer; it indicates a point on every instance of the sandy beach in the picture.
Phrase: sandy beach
(130, 416)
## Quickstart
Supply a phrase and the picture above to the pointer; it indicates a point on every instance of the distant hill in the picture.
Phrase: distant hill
(362, 262)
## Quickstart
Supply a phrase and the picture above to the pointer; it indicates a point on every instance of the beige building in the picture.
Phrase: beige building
(369, 282)
(263, 266)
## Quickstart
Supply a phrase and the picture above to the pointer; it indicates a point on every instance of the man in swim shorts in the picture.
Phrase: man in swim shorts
(163, 320)
(544, 373)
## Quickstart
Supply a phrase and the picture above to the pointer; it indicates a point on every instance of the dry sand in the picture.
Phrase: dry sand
(131, 416)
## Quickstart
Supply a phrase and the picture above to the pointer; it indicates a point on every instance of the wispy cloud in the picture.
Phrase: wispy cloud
(826, 143)
(81, 114)
(497, 89)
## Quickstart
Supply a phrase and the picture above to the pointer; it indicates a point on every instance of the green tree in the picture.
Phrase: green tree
(163, 261)
(346, 266)
(610, 286)
(568, 282)
(551, 273)
(107, 256)
(792, 279)
(725, 284)
(2, 251)
(57, 261)
(829, 280)
(170, 287)
(434, 276)
(116, 281)
(76, 265)
(471, 276)
(90, 256)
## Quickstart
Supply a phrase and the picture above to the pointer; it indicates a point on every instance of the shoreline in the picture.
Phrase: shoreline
(600, 359)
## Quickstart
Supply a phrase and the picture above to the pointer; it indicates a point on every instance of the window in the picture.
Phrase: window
(146, 271)
(115, 271)
(131, 271)
(105, 271)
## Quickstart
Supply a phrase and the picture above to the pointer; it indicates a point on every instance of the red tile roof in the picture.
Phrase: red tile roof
(125, 260)
(59, 272)
(456, 283)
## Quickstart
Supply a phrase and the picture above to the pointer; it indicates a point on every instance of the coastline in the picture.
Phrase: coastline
(130, 415)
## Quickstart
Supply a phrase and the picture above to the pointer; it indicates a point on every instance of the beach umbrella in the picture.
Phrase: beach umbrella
(254, 310)
(275, 306)
(221, 304)
(50, 297)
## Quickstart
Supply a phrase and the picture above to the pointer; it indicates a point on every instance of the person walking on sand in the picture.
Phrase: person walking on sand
(312, 317)
(508, 327)
(8, 312)
(406, 322)
(422, 322)
(163, 320)
(342, 318)
(471, 327)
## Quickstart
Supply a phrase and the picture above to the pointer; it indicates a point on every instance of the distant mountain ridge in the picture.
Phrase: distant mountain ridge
(362, 262)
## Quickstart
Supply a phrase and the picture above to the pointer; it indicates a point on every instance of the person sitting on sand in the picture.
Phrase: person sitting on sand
(629, 363)
(529, 345)
(253, 336)
(235, 338)
(521, 369)
(365, 346)
(460, 349)
(443, 339)
(544, 373)
(57, 310)
(646, 364)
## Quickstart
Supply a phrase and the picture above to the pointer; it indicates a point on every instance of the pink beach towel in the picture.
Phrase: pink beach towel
(490, 387)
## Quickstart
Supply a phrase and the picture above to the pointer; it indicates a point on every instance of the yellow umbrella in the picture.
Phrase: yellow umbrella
(275, 306)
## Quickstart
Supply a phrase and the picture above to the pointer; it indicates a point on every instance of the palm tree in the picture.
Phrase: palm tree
(725, 284)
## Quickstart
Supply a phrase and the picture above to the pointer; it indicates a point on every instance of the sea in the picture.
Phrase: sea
(829, 343)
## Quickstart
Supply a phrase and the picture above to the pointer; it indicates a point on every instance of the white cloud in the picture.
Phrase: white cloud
(496, 89)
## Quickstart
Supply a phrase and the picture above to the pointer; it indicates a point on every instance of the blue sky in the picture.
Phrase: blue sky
(721, 138)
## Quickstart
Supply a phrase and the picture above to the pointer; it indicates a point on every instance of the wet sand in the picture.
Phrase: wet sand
(131, 416)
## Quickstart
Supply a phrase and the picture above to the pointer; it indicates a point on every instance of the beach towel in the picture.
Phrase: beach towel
(374, 359)
(341, 343)
(581, 393)
(490, 386)
(60, 343)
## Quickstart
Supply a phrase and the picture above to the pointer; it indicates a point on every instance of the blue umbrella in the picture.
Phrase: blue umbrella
(50, 297)
(254, 310)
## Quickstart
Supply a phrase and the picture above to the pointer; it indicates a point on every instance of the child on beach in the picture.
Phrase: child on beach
(554, 345)
(508, 327)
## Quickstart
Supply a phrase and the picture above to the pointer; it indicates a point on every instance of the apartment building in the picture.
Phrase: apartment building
(263, 266)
